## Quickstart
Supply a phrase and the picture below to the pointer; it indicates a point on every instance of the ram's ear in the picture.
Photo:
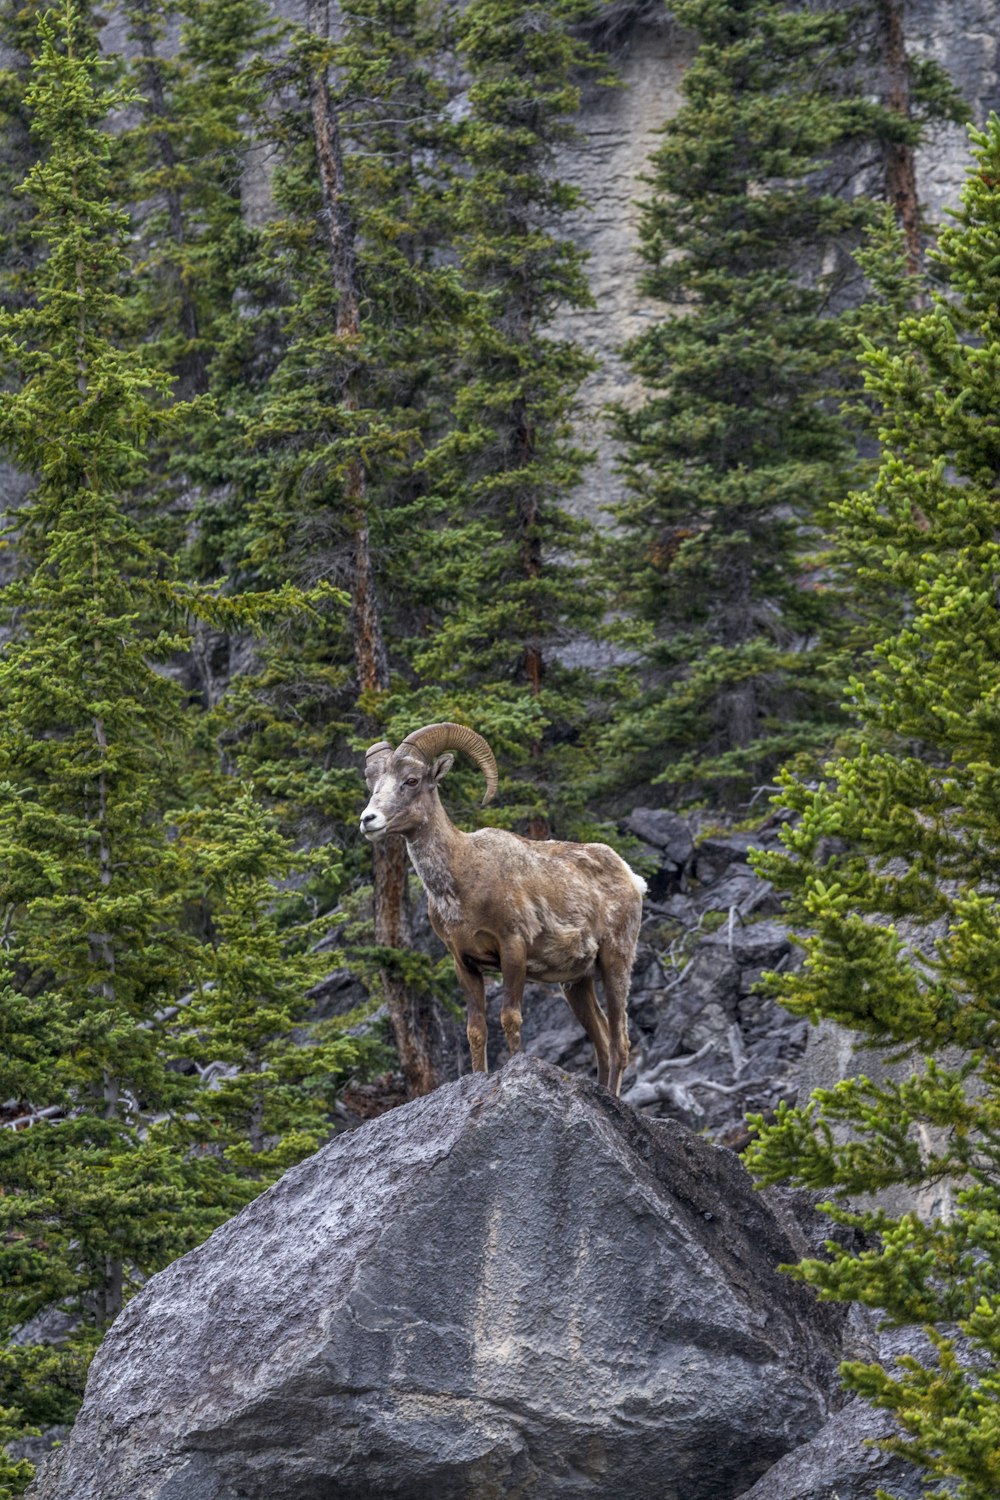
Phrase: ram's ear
(441, 767)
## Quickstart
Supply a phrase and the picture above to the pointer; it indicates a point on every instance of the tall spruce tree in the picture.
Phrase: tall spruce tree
(18, 250)
(902, 925)
(512, 577)
(17, 31)
(184, 162)
(735, 456)
(142, 953)
(346, 344)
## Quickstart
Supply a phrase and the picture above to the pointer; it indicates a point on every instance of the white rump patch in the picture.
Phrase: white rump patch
(638, 882)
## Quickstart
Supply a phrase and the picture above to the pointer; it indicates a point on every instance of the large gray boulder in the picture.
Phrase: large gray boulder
(514, 1287)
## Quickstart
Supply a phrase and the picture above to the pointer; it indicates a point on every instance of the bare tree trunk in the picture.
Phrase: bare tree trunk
(111, 1298)
(412, 1015)
(255, 1124)
(522, 457)
(415, 1024)
(900, 166)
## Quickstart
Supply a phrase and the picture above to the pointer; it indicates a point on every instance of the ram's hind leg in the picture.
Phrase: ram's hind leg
(582, 1000)
(616, 976)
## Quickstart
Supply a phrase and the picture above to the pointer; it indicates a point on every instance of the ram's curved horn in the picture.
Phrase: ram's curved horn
(374, 754)
(434, 738)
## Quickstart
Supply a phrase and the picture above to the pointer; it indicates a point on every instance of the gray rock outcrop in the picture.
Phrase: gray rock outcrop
(513, 1287)
(842, 1463)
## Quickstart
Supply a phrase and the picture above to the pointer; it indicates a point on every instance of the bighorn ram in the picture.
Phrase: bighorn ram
(561, 913)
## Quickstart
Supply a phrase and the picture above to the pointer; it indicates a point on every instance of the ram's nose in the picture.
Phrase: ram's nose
(372, 823)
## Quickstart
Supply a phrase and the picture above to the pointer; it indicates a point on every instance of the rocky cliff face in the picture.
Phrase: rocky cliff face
(513, 1287)
(964, 37)
(618, 132)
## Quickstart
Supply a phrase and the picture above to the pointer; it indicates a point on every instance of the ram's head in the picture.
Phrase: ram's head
(404, 782)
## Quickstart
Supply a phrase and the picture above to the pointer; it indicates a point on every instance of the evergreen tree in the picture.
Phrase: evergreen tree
(737, 453)
(184, 163)
(180, 162)
(871, 605)
(134, 954)
(268, 1075)
(512, 577)
(18, 250)
(344, 348)
(902, 943)
(16, 247)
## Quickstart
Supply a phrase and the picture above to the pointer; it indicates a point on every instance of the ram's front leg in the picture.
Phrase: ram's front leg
(513, 968)
(474, 990)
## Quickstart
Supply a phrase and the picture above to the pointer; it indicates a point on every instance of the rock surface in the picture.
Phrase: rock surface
(665, 831)
(514, 1287)
(837, 1465)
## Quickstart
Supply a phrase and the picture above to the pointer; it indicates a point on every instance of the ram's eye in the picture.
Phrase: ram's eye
(412, 781)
